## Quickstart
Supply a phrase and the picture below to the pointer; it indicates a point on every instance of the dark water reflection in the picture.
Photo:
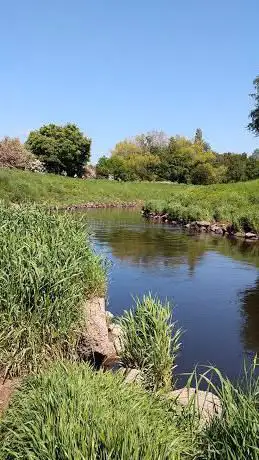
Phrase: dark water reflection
(213, 281)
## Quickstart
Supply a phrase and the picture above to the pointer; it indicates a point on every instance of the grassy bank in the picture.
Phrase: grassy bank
(236, 204)
(46, 271)
(22, 186)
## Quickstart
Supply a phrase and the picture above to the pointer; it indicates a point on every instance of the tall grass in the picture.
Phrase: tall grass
(46, 270)
(234, 434)
(151, 342)
(72, 413)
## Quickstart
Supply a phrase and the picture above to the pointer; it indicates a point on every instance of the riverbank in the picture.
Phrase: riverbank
(65, 408)
(224, 209)
(203, 226)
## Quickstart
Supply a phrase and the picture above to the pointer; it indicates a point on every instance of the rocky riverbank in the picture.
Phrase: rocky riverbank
(94, 205)
(203, 226)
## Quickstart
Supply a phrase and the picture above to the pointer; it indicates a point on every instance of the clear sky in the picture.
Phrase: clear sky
(121, 67)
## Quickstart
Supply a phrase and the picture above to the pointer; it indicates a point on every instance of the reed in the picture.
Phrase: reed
(151, 342)
(47, 269)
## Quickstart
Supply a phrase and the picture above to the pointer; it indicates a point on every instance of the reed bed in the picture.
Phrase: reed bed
(47, 269)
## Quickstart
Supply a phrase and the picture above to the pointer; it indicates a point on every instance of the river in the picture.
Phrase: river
(213, 282)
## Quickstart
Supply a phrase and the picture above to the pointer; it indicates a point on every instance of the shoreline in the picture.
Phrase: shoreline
(96, 205)
(202, 226)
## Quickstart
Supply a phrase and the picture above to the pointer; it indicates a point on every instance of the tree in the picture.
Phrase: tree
(204, 174)
(126, 148)
(254, 114)
(198, 139)
(255, 154)
(13, 154)
(198, 136)
(61, 148)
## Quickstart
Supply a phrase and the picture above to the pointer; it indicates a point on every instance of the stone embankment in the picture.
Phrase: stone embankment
(203, 226)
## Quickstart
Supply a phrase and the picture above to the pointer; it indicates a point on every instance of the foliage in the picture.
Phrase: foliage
(13, 154)
(255, 154)
(235, 434)
(61, 148)
(254, 115)
(155, 157)
(151, 342)
(73, 413)
(46, 271)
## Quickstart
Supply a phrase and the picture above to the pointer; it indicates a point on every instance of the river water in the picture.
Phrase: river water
(212, 281)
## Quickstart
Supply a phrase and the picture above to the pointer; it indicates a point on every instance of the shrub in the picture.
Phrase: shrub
(151, 342)
(46, 270)
(13, 154)
(72, 413)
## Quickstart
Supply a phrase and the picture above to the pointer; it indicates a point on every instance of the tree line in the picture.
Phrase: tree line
(157, 157)
(151, 157)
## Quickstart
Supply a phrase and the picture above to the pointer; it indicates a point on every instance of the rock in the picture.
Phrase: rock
(206, 403)
(115, 334)
(109, 316)
(202, 223)
(251, 236)
(240, 234)
(131, 375)
(95, 343)
(217, 229)
(187, 225)
(7, 388)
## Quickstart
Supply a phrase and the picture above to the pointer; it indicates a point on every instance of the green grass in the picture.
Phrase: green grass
(21, 186)
(235, 434)
(151, 342)
(46, 271)
(231, 203)
(72, 413)
(236, 203)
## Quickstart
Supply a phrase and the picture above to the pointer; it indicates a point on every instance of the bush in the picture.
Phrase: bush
(46, 271)
(72, 413)
(13, 154)
(150, 342)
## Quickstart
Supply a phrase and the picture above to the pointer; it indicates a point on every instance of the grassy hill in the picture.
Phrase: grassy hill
(21, 186)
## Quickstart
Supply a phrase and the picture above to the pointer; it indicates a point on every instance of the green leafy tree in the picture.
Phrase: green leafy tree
(198, 136)
(254, 114)
(61, 148)
(204, 174)
(255, 154)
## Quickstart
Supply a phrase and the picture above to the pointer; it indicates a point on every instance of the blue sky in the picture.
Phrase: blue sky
(121, 67)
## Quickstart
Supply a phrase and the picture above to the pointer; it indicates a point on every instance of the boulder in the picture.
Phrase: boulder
(95, 344)
(131, 375)
(217, 229)
(203, 223)
(251, 236)
(205, 403)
